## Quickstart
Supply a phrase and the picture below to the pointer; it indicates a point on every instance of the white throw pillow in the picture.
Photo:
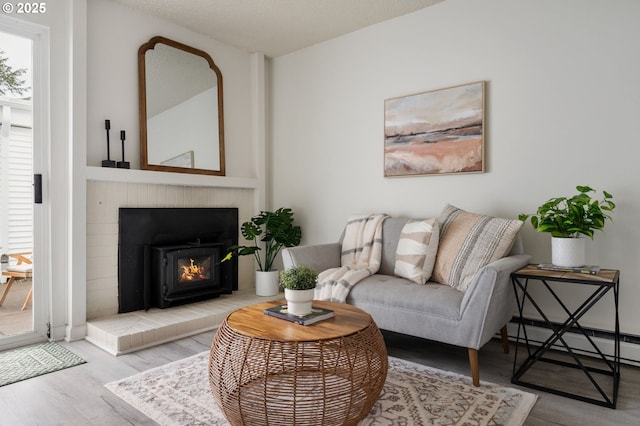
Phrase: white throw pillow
(417, 249)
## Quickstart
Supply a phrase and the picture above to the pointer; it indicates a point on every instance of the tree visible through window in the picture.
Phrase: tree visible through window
(11, 81)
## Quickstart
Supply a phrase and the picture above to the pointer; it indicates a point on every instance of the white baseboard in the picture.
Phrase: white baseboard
(629, 352)
(74, 333)
(58, 333)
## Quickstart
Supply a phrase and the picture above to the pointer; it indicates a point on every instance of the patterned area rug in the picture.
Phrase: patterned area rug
(36, 360)
(178, 394)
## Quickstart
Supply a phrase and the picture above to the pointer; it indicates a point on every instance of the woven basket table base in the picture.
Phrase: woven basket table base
(264, 381)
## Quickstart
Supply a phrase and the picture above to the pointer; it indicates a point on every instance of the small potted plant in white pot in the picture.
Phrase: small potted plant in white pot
(567, 219)
(299, 283)
(269, 232)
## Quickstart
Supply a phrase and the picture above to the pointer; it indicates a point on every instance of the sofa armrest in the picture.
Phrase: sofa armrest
(509, 264)
(496, 274)
(490, 296)
(319, 257)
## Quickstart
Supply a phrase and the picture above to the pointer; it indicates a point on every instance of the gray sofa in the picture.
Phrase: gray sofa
(432, 311)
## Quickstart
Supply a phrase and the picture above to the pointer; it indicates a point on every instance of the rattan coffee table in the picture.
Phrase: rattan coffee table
(269, 371)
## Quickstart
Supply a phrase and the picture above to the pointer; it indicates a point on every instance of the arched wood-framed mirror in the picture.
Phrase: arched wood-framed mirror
(181, 109)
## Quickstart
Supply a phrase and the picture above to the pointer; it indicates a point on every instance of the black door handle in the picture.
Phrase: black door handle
(37, 188)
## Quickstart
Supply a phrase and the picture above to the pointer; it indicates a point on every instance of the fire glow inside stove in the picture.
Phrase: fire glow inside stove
(185, 272)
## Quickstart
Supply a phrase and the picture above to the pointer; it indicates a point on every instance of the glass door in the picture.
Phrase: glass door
(23, 313)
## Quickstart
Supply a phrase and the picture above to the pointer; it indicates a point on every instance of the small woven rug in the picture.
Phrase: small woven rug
(35, 360)
(179, 394)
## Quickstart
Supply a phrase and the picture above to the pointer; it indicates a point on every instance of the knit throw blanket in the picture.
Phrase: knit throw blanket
(360, 257)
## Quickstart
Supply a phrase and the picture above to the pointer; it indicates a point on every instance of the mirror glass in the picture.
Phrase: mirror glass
(181, 114)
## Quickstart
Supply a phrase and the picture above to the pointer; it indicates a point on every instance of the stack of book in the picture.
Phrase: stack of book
(317, 314)
(584, 269)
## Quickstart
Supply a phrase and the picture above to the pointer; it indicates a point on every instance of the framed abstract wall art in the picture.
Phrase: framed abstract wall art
(436, 132)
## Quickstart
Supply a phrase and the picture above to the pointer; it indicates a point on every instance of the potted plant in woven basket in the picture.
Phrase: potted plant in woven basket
(299, 283)
(567, 219)
(270, 232)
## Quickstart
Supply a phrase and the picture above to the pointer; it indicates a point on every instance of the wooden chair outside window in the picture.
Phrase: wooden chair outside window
(22, 269)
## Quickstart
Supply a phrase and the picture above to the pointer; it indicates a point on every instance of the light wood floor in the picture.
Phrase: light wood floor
(76, 396)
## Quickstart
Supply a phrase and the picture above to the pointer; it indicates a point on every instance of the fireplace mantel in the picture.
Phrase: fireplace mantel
(165, 178)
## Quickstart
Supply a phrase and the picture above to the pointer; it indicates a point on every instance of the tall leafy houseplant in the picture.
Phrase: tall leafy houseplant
(271, 230)
(569, 218)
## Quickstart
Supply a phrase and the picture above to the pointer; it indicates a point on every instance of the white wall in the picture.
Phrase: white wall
(115, 34)
(563, 96)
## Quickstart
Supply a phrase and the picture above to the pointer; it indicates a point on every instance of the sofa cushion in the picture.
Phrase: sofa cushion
(386, 293)
(468, 242)
(417, 249)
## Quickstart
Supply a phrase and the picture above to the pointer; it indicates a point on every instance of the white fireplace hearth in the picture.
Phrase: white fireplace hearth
(104, 200)
(123, 333)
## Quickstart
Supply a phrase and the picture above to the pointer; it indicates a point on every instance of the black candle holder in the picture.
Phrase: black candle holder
(108, 162)
(122, 164)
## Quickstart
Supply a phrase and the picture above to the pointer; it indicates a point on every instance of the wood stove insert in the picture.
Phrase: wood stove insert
(185, 273)
(157, 244)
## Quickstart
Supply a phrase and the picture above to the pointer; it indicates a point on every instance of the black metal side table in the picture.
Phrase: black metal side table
(603, 282)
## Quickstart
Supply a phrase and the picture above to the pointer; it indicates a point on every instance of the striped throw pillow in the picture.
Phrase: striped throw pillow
(417, 249)
(469, 241)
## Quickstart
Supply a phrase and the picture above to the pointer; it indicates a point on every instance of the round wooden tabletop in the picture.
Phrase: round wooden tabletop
(252, 322)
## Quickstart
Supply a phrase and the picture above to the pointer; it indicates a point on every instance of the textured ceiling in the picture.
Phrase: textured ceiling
(276, 27)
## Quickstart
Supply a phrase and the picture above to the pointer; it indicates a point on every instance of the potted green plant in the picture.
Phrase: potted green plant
(299, 283)
(567, 219)
(269, 232)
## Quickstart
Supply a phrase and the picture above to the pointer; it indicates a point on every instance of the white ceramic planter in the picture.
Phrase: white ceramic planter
(267, 283)
(568, 251)
(298, 301)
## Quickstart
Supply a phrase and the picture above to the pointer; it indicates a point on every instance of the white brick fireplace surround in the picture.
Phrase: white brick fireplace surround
(120, 333)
